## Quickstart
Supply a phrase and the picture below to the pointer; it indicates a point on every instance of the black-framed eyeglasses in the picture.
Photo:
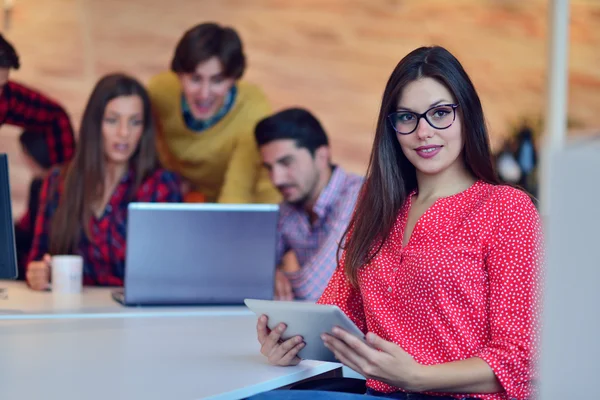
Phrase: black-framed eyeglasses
(439, 117)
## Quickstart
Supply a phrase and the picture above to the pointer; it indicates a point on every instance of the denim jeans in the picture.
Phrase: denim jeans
(324, 395)
(413, 396)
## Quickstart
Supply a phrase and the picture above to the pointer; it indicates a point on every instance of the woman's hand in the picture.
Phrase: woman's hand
(278, 352)
(38, 273)
(379, 359)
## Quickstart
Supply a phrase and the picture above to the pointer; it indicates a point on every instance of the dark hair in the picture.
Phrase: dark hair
(34, 144)
(293, 123)
(390, 176)
(84, 177)
(208, 40)
(8, 55)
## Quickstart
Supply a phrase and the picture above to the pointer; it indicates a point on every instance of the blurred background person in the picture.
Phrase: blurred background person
(33, 111)
(37, 158)
(84, 204)
(207, 115)
(319, 198)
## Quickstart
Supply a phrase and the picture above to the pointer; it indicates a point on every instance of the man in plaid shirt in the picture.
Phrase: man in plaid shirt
(30, 110)
(319, 199)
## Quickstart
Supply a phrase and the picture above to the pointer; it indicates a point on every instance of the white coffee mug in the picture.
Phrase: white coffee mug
(67, 273)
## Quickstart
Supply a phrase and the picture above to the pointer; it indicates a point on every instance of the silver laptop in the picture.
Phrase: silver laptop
(199, 254)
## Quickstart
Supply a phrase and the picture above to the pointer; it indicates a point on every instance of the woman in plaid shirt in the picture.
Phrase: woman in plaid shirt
(83, 206)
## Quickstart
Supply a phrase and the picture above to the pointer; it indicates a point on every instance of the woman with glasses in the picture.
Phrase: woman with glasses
(441, 264)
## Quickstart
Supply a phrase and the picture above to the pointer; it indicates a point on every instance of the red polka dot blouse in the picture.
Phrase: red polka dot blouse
(466, 285)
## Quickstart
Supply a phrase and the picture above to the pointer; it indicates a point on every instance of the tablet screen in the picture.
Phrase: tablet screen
(308, 320)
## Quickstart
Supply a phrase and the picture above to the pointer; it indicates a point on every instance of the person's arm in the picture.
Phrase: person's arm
(245, 165)
(514, 263)
(60, 137)
(23, 239)
(161, 89)
(310, 281)
(31, 110)
(282, 246)
(472, 375)
(48, 201)
(37, 269)
(242, 172)
(283, 253)
(26, 223)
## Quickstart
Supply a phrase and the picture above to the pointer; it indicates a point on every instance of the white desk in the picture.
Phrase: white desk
(179, 358)
(21, 302)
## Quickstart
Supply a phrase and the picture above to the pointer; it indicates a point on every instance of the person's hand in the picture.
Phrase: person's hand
(283, 287)
(289, 263)
(377, 359)
(278, 352)
(38, 273)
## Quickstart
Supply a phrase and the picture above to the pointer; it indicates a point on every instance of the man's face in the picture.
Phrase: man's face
(293, 170)
(205, 88)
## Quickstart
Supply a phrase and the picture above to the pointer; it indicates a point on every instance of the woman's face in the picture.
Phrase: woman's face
(122, 128)
(429, 149)
(205, 88)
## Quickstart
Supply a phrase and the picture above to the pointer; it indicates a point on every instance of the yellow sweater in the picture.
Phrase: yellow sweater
(222, 162)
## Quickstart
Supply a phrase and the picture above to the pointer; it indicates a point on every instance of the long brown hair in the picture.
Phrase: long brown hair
(390, 176)
(84, 176)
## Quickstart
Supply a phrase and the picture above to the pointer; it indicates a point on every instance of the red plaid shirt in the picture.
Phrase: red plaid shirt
(31, 110)
(104, 252)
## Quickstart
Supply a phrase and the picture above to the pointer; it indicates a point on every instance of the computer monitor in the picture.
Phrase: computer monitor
(8, 254)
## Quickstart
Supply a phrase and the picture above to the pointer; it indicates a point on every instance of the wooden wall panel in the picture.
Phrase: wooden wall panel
(332, 56)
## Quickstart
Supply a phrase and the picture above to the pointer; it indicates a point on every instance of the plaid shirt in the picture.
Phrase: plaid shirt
(104, 254)
(29, 109)
(316, 245)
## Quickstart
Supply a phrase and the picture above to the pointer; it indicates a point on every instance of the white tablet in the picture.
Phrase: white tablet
(308, 320)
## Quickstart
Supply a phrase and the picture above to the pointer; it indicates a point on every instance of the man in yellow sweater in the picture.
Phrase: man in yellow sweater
(207, 117)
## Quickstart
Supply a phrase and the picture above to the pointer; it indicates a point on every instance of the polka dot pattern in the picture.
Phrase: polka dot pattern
(466, 285)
